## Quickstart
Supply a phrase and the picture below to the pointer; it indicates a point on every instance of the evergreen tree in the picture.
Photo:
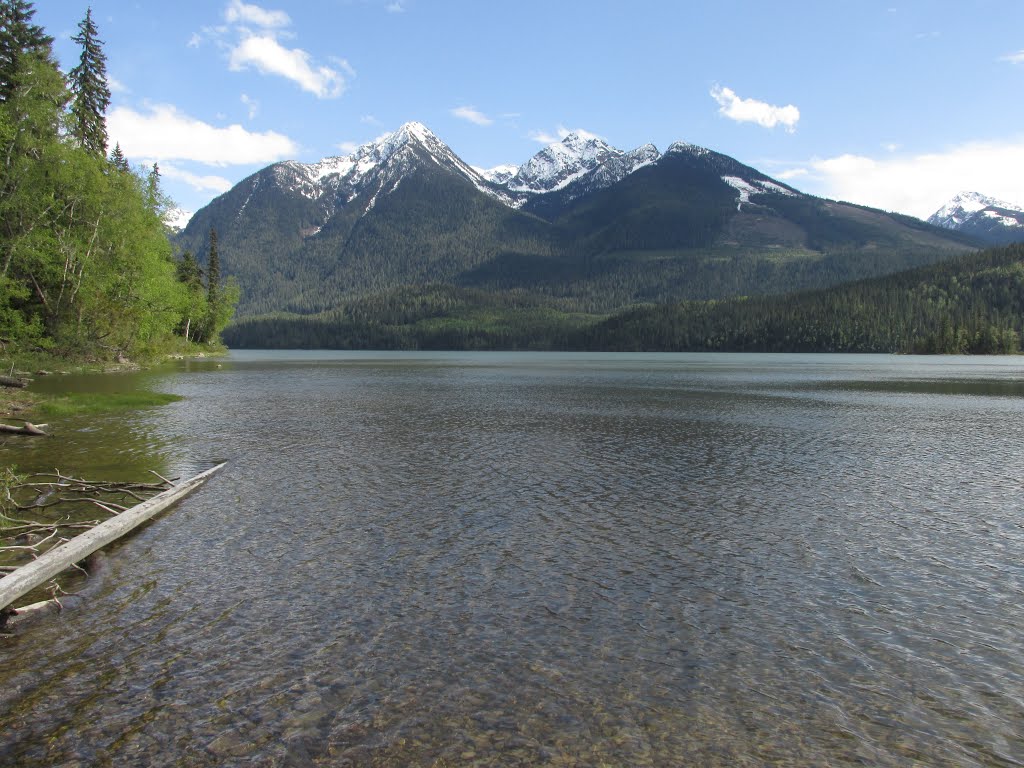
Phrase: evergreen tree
(213, 296)
(190, 274)
(18, 36)
(91, 95)
(153, 195)
(118, 160)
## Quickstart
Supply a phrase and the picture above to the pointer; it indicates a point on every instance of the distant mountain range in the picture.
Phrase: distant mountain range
(991, 221)
(583, 225)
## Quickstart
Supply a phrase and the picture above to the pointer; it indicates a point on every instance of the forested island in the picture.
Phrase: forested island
(87, 269)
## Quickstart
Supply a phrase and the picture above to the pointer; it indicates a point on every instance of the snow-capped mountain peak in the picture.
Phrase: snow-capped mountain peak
(964, 205)
(987, 218)
(499, 174)
(177, 218)
(561, 163)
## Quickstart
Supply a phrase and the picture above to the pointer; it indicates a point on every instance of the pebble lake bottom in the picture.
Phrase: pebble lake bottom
(501, 559)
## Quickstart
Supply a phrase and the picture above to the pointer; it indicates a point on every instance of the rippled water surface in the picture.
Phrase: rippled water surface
(501, 559)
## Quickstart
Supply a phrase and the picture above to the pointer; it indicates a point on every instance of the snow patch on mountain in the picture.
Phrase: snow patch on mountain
(177, 218)
(560, 164)
(690, 149)
(986, 218)
(754, 187)
(965, 206)
(499, 174)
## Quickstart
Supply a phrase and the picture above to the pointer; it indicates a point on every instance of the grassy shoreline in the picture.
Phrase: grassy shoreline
(26, 405)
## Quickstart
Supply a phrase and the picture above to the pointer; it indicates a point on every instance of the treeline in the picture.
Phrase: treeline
(432, 317)
(86, 267)
(970, 305)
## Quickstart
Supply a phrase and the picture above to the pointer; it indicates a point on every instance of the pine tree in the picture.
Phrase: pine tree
(213, 298)
(19, 36)
(91, 95)
(153, 187)
(118, 160)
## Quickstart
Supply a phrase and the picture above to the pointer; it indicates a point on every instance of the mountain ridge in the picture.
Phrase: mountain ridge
(581, 222)
(993, 221)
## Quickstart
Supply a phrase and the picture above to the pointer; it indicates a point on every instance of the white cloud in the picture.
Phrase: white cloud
(195, 40)
(348, 147)
(792, 173)
(563, 132)
(472, 115)
(920, 184)
(369, 120)
(545, 137)
(252, 104)
(238, 12)
(167, 134)
(754, 111)
(1014, 58)
(207, 183)
(396, 7)
(267, 55)
(116, 86)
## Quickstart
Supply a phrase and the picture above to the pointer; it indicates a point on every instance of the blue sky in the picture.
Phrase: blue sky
(896, 104)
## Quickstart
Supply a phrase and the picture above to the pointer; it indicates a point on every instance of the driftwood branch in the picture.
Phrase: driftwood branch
(53, 561)
(35, 430)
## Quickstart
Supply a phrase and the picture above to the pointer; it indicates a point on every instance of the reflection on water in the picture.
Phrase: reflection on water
(543, 559)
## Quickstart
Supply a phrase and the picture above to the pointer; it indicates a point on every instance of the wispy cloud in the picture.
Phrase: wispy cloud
(398, 6)
(1014, 58)
(238, 12)
(753, 111)
(546, 137)
(163, 133)
(251, 104)
(919, 184)
(269, 57)
(199, 182)
(252, 38)
(472, 115)
(116, 86)
(348, 147)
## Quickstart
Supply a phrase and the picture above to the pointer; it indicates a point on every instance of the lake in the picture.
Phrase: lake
(545, 559)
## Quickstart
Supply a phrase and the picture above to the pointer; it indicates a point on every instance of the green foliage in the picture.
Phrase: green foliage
(19, 37)
(86, 267)
(91, 95)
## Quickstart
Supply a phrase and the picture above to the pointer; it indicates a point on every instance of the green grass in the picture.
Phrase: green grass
(100, 402)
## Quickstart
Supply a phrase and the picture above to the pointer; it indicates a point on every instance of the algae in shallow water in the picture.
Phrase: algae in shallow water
(99, 402)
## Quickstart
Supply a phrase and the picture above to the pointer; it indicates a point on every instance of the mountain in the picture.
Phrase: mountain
(176, 219)
(985, 218)
(582, 223)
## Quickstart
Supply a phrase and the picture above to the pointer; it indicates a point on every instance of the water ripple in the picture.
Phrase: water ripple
(520, 562)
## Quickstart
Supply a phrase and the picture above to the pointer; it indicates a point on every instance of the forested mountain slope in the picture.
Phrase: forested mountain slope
(586, 225)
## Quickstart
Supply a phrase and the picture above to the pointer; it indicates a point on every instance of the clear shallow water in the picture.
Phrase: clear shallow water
(501, 559)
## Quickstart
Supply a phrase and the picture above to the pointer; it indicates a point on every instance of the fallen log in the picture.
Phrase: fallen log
(11, 381)
(26, 578)
(35, 430)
